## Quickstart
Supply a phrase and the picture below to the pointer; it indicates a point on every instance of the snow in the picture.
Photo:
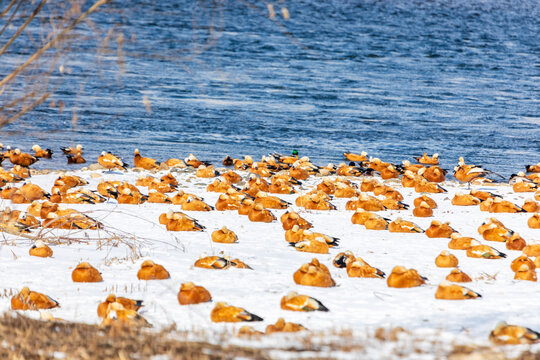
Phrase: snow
(356, 304)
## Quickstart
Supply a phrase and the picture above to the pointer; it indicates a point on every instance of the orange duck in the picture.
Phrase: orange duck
(531, 206)
(291, 218)
(448, 291)
(505, 334)
(282, 326)
(32, 300)
(40, 249)
(190, 294)
(439, 230)
(403, 278)
(144, 162)
(295, 302)
(22, 159)
(423, 210)
(224, 236)
(402, 226)
(313, 274)
(424, 198)
(524, 272)
(457, 275)
(110, 161)
(477, 250)
(461, 199)
(224, 312)
(259, 214)
(152, 271)
(534, 222)
(426, 159)
(359, 268)
(129, 304)
(445, 259)
(84, 272)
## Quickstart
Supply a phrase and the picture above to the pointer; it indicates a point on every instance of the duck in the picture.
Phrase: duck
(402, 226)
(270, 202)
(365, 202)
(110, 161)
(282, 326)
(477, 250)
(224, 312)
(411, 168)
(213, 262)
(433, 174)
(226, 203)
(291, 218)
(350, 156)
(483, 195)
(75, 159)
(531, 206)
(32, 300)
(259, 214)
(128, 304)
(505, 334)
(457, 275)
(466, 173)
(423, 210)
(151, 271)
(461, 199)
(521, 186)
(534, 222)
(524, 272)
(359, 268)
(313, 274)
(376, 222)
(224, 236)
(488, 224)
(22, 159)
(459, 242)
(445, 259)
(40, 249)
(520, 260)
(77, 150)
(181, 197)
(360, 216)
(409, 179)
(424, 186)
(438, 229)
(449, 291)
(317, 246)
(204, 171)
(504, 206)
(192, 204)
(428, 160)
(343, 258)
(127, 196)
(533, 168)
(532, 250)
(401, 277)
(84, 272)
(314, 202)
(33, 192)
(227, 161)
(157, 197)
(497, 233)
(42, 153)
(118, 315)
(232, 177)
(144, 162)
(192, 161)
(424, 198)
(190, 294)
(296, 302)
(516, 242)
(176, 163)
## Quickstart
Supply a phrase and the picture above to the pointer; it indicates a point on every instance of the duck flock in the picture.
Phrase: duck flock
(308, 225)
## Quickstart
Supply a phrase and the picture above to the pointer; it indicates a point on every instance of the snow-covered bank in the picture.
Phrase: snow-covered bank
(355, 303)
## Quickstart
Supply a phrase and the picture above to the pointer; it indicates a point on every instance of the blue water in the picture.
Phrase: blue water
(394, 78)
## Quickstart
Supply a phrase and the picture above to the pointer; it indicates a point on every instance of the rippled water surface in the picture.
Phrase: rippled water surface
(394, 78)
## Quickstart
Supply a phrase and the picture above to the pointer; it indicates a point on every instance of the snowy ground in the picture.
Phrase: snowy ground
(355, 304)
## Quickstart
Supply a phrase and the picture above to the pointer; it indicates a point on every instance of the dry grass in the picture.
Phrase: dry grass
(24, 338)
